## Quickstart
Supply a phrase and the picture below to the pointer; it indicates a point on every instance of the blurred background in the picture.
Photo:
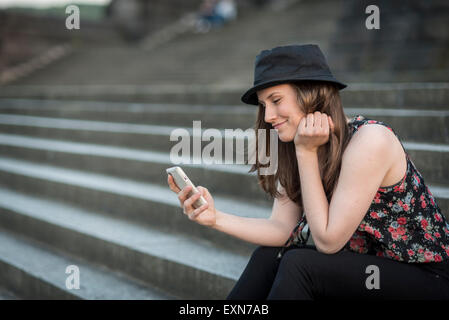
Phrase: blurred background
(86, 116)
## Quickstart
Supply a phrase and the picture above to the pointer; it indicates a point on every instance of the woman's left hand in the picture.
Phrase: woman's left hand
(313, 131)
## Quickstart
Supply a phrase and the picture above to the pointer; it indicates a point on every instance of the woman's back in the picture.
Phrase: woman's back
(404, 222)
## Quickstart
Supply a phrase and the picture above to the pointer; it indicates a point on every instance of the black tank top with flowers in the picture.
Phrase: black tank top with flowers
(403, 222)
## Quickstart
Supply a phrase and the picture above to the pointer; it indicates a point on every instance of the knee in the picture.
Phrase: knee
(300, 260)
(264, 254)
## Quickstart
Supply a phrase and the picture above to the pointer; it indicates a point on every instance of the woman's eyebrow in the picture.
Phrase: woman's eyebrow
(269, 96)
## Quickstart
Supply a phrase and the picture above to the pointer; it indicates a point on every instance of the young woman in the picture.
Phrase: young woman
(376, 227)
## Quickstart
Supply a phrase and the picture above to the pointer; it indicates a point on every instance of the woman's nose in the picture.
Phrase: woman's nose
(270, 114)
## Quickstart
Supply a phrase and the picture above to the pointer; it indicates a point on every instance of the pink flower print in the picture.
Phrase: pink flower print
(402, 220)
(428, 236)
(396, 233)
(398, 188)
(377, 198)
(424, 224)
(374, 215)
(417, 179)
(428, 255)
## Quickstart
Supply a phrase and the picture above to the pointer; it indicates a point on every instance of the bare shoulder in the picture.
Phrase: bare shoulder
(372, 137)
(382, 144)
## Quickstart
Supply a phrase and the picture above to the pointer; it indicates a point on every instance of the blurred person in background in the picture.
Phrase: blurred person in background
(215, 13)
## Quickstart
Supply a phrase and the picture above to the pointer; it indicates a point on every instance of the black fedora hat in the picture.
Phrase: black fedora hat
(289, 64)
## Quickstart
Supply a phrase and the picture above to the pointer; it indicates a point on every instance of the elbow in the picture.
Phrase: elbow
(327, 248)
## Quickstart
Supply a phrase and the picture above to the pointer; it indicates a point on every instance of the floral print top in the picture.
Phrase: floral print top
(403, 223)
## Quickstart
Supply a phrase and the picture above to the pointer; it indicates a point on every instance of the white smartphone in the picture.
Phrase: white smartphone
(182, 181)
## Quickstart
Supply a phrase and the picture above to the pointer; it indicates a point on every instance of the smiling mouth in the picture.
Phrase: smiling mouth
(279, 124)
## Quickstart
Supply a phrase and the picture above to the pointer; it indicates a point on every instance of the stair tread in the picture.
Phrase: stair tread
(6, 294)
(49, 266)
(197, 253)
(121, 186)
(151, 155)
(108, 151)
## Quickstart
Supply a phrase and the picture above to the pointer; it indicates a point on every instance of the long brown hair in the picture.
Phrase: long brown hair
(312, 96)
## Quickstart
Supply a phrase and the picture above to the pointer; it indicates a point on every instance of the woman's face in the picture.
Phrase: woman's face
(281, 107)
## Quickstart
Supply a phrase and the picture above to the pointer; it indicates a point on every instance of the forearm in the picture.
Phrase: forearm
(316, 206)
(260, 231)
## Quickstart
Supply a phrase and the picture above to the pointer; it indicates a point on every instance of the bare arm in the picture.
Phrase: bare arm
(273, 231)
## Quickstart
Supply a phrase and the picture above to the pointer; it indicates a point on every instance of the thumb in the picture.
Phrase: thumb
(331, 123)
(204, 192)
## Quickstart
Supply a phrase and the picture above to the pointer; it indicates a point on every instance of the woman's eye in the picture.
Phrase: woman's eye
(276, 101)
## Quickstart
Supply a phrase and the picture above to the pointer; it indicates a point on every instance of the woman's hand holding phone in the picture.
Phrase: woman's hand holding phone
(204, 215)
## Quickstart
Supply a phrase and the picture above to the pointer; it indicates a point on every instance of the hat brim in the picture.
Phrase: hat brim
(250, 96)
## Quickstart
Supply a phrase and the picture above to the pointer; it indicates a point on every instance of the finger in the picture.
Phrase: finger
(317, 119)
(182, 195)
(172, 185)
(202, 190)
(309, 123)
(331, 124)
(191, 212)
(302, 125)
(199, 210)
(188, 204)
(324, 122)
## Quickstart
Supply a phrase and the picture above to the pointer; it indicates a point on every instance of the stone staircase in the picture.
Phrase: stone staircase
(84, 144)
(84, 183)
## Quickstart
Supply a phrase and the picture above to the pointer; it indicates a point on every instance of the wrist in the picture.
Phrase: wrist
(306, 152)
(218, 216)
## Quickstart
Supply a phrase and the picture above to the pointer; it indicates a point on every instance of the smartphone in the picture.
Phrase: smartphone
(182, 181)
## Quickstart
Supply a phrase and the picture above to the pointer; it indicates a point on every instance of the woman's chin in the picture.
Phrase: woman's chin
(284, 137)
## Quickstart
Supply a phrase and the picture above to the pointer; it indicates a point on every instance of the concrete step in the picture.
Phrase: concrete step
(138, 165)
(190, 268)
(144, 203)
(6, 294)
(398, 95)
(39, 272)
(432, 124)
(433, 129)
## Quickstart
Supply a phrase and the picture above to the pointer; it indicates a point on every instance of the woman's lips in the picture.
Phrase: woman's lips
(280, 124)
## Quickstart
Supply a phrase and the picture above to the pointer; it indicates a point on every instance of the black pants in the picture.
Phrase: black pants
(303, 273)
